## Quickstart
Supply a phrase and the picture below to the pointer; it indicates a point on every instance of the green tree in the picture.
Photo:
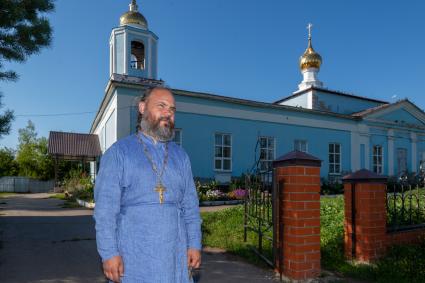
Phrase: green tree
(32, 156)
(8, 165)
(24, 31)
(5, 120)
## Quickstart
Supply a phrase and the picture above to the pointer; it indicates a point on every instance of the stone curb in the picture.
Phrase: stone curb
(90, 205)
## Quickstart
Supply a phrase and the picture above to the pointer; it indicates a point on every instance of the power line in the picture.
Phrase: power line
(64, 113)
(55, 114)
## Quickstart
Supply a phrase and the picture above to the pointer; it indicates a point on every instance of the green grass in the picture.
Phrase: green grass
(60, 196)
(224, 229)
(69, 202)
(407, 208)
(6, 195)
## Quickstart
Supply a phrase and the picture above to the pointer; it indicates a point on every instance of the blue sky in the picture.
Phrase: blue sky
(241, 48)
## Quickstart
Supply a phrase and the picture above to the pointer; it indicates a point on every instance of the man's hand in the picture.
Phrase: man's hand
(113, 268)
(193, 258)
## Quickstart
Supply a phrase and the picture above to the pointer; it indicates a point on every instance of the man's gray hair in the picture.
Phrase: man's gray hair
(144, 97)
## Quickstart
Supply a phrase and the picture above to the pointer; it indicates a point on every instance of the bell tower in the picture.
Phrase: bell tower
(133, 47)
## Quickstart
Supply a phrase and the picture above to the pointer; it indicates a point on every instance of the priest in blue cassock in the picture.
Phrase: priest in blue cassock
(147, 214)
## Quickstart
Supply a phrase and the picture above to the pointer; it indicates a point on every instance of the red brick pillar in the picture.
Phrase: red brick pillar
(365, 225)
(298, 178)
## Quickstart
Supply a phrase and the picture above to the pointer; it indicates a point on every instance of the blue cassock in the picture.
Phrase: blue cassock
(152, 238)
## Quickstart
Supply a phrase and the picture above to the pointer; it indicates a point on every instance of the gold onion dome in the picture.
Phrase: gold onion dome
(310, 59)
(133, 17)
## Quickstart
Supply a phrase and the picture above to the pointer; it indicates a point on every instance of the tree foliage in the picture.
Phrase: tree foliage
(5, 120)
(23, 31)
(32, 156)
(8, 165)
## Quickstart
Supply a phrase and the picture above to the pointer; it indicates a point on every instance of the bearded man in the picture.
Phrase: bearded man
(147, 214)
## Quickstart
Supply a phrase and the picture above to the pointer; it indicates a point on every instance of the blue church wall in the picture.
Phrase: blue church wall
(119, 45)
(129, 91)
(198, 140)
(401, 116)
(341, 104)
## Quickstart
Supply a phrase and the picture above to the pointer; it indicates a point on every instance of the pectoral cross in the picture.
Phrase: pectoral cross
(160, 189)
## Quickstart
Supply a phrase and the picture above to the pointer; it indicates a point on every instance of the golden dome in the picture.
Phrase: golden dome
(310, 59)
(133, 17)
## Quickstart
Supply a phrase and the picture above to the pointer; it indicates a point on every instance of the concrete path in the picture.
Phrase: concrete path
(42, 242)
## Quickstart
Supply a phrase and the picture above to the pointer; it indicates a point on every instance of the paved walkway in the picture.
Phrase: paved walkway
(40, 242)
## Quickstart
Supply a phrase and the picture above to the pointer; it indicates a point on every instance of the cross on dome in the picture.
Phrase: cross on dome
(309, 27)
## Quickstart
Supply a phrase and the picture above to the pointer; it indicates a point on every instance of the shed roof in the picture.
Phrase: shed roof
(74, 146)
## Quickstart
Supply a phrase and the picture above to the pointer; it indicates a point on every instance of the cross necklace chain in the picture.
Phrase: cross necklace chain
(159, 188)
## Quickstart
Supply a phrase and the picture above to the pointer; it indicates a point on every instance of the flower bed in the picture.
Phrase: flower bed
(213, 194)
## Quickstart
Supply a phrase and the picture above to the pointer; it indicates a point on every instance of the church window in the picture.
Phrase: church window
(377, 159)
(223, 152)
(334, 158)
(300, 145)
(178, 136)
(137, 55)
(267, 153)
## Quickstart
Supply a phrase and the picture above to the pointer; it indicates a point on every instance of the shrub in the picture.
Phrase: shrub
(77, 180)
(331, 188)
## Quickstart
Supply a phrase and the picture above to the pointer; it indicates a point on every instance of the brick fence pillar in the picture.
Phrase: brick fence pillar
(365, 215)
(298, 178)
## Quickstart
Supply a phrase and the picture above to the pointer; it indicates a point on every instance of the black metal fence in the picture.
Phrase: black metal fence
(259, 214)
(406, 203)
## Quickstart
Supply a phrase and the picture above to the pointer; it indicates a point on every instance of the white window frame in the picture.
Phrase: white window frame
(340, 159)
(299, 142)
(180, 142)
(267, 160)
(379, 167)
(223, 158)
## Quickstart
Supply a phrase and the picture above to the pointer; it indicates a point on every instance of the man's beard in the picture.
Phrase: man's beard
(153, 127)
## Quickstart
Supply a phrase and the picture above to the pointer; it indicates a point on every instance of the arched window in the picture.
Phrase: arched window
(137, 55)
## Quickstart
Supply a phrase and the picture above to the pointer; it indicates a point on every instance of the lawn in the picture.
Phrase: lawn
(69, 202)
(6, 194)
(224, 229)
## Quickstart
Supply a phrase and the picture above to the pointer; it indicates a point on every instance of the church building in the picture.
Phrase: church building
(228, 136)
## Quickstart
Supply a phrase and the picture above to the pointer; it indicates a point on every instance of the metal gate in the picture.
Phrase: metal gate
(261, 212)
